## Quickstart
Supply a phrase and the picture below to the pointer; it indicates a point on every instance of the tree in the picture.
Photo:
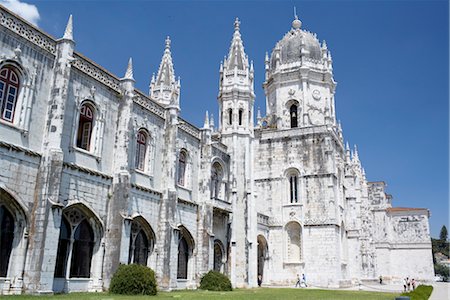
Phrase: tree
(443, 235)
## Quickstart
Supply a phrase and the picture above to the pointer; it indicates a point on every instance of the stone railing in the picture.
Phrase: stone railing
(263, 219)
(24, 29)
(143, 100)
(98, 73)
(189, 128)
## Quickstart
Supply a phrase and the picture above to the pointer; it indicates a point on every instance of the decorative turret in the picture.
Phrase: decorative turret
(164, 88)
(236, 75)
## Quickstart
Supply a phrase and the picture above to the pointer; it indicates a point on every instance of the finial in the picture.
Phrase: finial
(17, 52)
(236, 24)
(68, 33)
(129, 72)
(324, 44)
(206, 124)
(211, 121)
(251, 66)
(258, 114)
(153, 78)
(347, 147)
(167, 43)
(296, 24)
(266, 58)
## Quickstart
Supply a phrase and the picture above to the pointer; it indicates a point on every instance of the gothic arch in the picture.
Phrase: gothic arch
(80, 237)
(142, 241)
(219, 256)
(13, 226)
(186, 247)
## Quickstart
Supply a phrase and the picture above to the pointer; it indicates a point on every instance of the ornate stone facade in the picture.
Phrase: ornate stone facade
(96, 173)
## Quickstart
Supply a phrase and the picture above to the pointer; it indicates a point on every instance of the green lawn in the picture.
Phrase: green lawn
(261, 293)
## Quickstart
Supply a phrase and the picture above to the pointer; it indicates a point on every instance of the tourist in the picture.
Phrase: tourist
(413, 284)
(299, 284)
(405, 284)
(259, 280)
(304, 280)
(381, 280)
(408, 283)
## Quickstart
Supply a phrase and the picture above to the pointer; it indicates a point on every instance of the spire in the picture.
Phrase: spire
(129, 72)
(236, 56)
(206, 123)
(166, 74)
(164, 87)
(347, 153)
(68, 33)
(211, 122)
(355, 156)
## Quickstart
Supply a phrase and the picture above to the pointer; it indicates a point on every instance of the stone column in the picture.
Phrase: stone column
(45, 221)
(119, 202)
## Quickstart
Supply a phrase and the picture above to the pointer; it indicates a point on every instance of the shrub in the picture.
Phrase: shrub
(422, 292)
(215, 281)
(133, 280)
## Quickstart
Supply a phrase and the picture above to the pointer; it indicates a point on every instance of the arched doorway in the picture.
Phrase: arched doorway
(185, 250)
(218, 256)
(262, 254)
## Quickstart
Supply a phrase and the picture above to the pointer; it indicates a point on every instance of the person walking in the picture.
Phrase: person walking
(404, 284)
(298, 283)
(381, 279)
(259, 280)
(408, 283)
(304, 280)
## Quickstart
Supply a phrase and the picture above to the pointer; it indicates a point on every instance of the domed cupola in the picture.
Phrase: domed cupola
(295, 44)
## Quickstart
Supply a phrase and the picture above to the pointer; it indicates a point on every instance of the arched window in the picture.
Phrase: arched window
(181, 167)
(9, 89)
(293, 243)
(183, 257)
(218, 257)
(83, 246)
(293, 115)
(293, 188)
(216, 180)
(85, 126)
(141, 149)
(241, 112)
(63, 249)
(230, 116)
(6, 239)
(139, 245)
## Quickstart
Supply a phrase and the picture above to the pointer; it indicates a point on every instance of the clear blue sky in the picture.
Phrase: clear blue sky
(391, 62)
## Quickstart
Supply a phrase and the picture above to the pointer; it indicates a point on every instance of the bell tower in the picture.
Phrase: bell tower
(236, 98)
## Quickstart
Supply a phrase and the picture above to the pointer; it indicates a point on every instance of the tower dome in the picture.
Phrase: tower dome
(297, 43)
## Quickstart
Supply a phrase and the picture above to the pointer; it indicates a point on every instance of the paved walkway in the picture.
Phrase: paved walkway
(441, 291)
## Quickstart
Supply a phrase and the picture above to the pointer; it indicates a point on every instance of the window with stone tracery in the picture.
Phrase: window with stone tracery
(139, 245)
(141, 149)
(75, 246)
(9, 90)
(85, 126)
(293, 242)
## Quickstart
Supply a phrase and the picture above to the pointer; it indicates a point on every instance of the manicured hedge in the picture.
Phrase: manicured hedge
(133, 280)
(422, 292)
(215, 281)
